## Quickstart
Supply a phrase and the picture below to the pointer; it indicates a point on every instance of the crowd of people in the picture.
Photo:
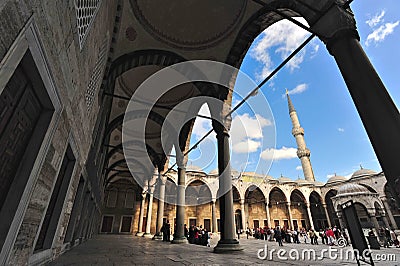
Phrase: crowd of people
(198, 235)
(329, 236)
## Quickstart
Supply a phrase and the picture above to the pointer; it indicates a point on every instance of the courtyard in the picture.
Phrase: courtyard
(132, 250)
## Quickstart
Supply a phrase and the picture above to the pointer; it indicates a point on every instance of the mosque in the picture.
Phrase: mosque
(258, 200)
(87, 88)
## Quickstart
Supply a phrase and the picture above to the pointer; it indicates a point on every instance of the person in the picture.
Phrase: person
(393, 237)
(163, 231)
(322, 235)
(186, 232)
(386, 243)
(331, 236)
(191, 234)
(312, 236)
(247, 232)
(209, 239)
(371, 232)
(168, 231)
(271, 238)
(278, 236)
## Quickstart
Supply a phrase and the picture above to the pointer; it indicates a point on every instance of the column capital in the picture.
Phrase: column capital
(338, 22)
(241, 201)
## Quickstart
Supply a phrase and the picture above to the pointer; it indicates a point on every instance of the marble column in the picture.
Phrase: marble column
(160, 209)
(376, 225)
(389, 213)
(149, 213)
(268, 215)
(141, 213)
(290, 215)
(214, 217)
(310, 216)
(179, 233)
(227, 242)
(337, 28)
(327, 215)
(244, 226)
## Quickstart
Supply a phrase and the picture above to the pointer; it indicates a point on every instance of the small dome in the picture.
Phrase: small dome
(193, 168)
(214, 172)
(336, 178)
(303, 182)
(283, 179)
(234, 173)
(352, 188)
(363, 172)
(318, 183)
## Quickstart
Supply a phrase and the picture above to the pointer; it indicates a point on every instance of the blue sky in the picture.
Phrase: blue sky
(333, 130)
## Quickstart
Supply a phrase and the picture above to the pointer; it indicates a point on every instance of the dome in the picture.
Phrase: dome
(352, 188)
(283, 179)
(193, 168)
(303, 182)
(214, 172)
(363, 172)
(336, 178)
(318, 183)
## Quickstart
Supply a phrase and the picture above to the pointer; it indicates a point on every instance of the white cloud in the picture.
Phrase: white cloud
(379, 34)
(279, 154)
(246, 132)
(340, 129)
(379, 30)
(375, 20)
(280, 38)
(246, 146)
(297, 90)
(298, 168)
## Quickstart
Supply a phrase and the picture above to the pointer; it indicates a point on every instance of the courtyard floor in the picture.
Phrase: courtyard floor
(132, 250)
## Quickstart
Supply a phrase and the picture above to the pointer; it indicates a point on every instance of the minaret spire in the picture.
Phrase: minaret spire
(302, 151)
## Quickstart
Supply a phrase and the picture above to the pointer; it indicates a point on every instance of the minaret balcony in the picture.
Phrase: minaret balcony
(303, 152)
(297, 131)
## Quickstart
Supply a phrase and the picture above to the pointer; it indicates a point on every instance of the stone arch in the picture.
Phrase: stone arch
(331, 208)
(363, 215)
(265, 17)
(197, 193)
(255, 201)
(368, 187)
(277, 206)
(379, 213)
(317, 211)
(298, 207)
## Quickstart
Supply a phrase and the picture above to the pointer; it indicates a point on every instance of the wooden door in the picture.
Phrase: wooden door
(20, 109)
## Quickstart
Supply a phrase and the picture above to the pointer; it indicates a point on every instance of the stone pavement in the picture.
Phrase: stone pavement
(132, 250)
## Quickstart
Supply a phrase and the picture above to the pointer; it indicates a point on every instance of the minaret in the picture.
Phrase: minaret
(302, 152)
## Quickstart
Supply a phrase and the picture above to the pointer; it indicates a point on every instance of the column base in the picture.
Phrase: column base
(147, 235)
(228, 246)
(157, 237)
(179, 240)
(139, 234)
